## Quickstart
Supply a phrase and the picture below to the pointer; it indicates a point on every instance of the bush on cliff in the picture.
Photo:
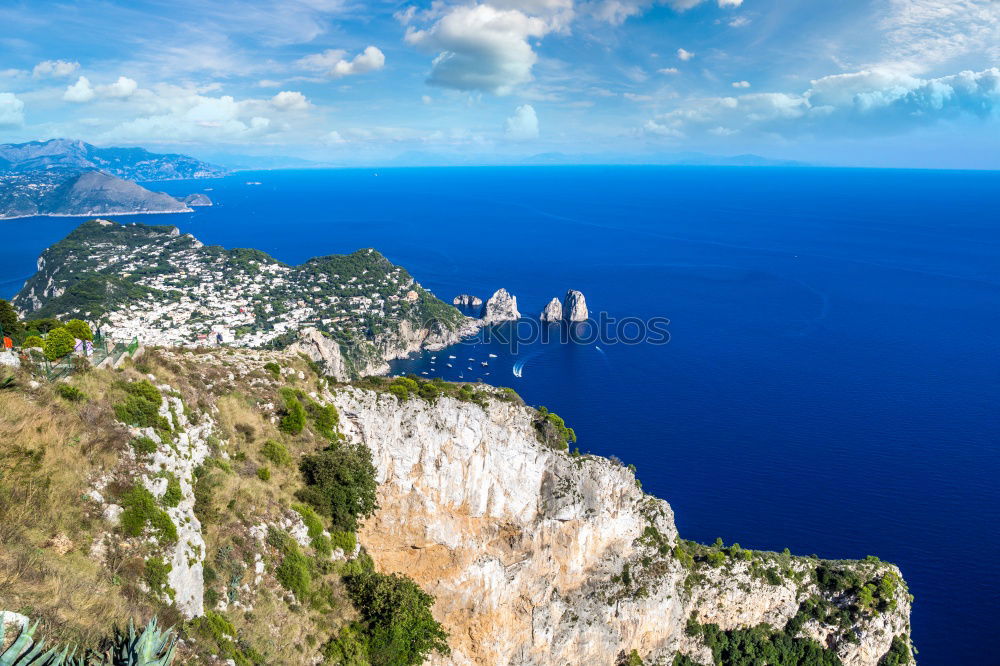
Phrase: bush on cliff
(340, 484)
(80, 329)
(396, 619)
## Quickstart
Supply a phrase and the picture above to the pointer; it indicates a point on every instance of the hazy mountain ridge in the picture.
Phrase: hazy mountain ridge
(129, 163)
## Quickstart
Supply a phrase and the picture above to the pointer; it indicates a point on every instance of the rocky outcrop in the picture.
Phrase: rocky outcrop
(575, 306)
(197, 199)
(539, 557)
(500, 307)
(323, 350)
(467, 300)
(553, 311)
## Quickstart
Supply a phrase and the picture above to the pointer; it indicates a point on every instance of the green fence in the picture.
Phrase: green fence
(103, 349)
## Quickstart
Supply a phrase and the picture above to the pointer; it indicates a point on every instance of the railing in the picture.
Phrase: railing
(103, 349)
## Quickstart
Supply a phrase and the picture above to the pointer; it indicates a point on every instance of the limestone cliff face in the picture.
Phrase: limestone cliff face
(539, 557)
(467, 300)
(553, 311)
(575, 306)
(501, 306)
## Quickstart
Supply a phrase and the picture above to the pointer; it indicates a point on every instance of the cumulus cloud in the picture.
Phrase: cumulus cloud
(123, 87)
(54, 68)
(481, 47)
(290, 100)
(684, 54)
(335, 64)
(523, 125)
(741, 84)
(881, 99)
(79, 92)
(11, 110)
(669, 70)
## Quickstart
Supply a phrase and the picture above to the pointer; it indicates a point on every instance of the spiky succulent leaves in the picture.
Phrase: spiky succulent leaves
(25, 652)
(151, 648)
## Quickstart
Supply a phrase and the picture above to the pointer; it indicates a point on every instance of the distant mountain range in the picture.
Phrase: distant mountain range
(128, 163)
(65, 177)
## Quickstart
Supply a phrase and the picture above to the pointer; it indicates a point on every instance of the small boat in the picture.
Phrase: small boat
(448, 364)
(469, 368)
(493, 355)
(471, 359)
(433, 357)
(424, 373)
(452, 357)
(484, 364)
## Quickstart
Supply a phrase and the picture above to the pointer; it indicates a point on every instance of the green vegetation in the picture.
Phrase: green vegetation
(71, 393)
(79, 329)
(761, 645)
(143, 445)
(33, 341)
(264, 473)
(172, 496)
(156, 576)
(274, 369)
(899, 652)
(58, 343)
(141, 406)
(293, 419)
(141, 511)
(294, 571)
(552, 430)
(396, 624)
(277, 453)
(340, 484)
(152, 647)
(10, 323)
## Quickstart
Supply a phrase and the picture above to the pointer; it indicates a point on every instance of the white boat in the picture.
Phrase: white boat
(448, 364)
(484, 364)
(452, 357)
(493, 355)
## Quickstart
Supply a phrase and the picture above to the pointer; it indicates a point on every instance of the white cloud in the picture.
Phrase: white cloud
(684, 54)
(11, 110)
(881, 100)
(426, 99)
(123, 87)
(290, 100)
(333, 138)
(481, 48)
(741, 84)
(55, 68)
(669, 70)
(334, 63)
(523, 125)
(79, 92)
(927, 32)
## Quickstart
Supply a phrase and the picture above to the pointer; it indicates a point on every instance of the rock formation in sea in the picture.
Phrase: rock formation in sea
(197, 199)
(575, 306)
(501, 306)
(553, 311)
(467, 300)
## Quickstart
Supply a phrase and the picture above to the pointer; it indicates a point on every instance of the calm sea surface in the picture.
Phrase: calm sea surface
(832, 379)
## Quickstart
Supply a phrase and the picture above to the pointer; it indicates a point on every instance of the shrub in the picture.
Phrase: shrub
(276, 453)
(71, 393)
(58, 343)
(156, 576)
(346, 541)
(326, 419)
(552, 430)
(79, 329)
(293, 572)
(143, 445)
(313, 523)
(898, 654)
(716, 558)
(140, 511)
(141, 406)
(172, 496)
(264, 473)
(340, 484)
(397, 619)
(274, 369)
(9, 321)
(294, 418)
(33, 341)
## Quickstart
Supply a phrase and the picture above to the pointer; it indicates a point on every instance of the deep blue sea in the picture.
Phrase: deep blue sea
(832, 379)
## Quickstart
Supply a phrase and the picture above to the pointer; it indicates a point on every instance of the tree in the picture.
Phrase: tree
(397, 615)
(9, 321)
(80, 329)
(340, 484)
(58, 343)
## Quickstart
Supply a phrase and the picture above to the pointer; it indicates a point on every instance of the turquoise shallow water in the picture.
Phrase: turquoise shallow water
(832, 375)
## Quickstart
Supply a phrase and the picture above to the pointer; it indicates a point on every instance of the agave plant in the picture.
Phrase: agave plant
(24, 651)
(150, 648)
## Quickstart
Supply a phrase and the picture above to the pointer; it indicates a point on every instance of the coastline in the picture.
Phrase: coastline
(141, 212)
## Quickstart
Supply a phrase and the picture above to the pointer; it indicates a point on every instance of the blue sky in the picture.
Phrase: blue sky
(851, 82)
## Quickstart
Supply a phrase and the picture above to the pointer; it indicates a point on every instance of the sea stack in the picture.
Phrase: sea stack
(501, 306)
(553, 311)
(574, 306)
(467, 300)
